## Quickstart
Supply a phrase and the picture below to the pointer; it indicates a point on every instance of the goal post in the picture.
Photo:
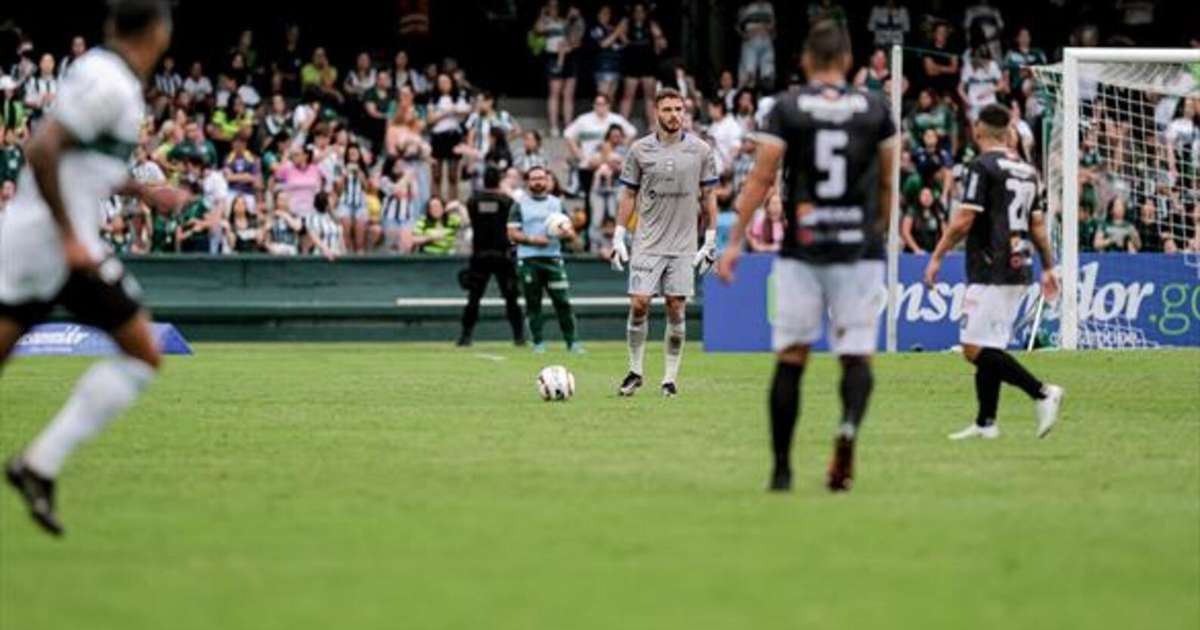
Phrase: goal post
(1121, 118)
(893, 241)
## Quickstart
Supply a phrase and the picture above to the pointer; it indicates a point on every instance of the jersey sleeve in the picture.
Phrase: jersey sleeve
(975, 191)
(514, 216)
(773, 126)
(631, 170)
(88, 105)
(710, 172)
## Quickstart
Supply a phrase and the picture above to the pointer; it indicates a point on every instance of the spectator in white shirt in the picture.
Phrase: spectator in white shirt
(726, 133)
(197, 85)
(361, 79)
(78, 47)
(41, 88)
(585, 134)
(981, 82)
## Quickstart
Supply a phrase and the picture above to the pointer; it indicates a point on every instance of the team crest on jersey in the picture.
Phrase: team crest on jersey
(670, 165)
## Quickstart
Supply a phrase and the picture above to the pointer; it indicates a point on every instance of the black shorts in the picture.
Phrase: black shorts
(443, 144)
(105, 298)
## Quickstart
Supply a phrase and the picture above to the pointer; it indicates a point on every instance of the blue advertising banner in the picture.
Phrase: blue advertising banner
(61, 339)
(1125, 300)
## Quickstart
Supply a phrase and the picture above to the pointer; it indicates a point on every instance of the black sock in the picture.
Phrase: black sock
(785, 406)
(856, 386)
(987, 392)
(1008, 370)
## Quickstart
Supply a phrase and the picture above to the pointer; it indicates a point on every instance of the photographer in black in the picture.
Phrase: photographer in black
(491, 256)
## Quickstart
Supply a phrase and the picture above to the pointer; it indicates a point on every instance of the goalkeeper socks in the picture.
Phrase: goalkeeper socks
(635, 335)
(987, 392)
(785, 406)
(1008, 370)
(676, 335)
(103, 392)
(856, 386)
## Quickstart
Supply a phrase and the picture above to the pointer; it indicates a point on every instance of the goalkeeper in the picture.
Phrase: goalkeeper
(668, 178)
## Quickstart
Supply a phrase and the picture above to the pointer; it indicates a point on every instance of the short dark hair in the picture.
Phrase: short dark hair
(133, 17)
(666, 93)
(491, 178)
(533, 169)
(827, 43)
(719, 103)
(995, 116)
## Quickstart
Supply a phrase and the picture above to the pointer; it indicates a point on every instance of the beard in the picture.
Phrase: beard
(669, 127)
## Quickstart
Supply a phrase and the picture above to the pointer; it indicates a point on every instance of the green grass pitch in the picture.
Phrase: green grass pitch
(417, 486)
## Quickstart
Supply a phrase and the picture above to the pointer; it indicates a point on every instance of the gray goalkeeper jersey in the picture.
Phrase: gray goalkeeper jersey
(668, 179)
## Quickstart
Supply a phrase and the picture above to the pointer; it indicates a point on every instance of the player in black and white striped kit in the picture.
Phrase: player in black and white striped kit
(835, 144)
(1002, 222)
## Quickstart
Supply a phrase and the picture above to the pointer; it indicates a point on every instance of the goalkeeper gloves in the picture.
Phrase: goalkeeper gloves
(707, 256)
(620, 253)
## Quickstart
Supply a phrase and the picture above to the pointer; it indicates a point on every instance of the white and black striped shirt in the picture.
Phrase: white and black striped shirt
(324, 228)
(168, 83)
(396, 208)
(353, 193)
(36, 88)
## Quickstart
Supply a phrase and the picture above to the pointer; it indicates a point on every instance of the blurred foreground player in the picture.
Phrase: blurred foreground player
(1002, 223)
(51, 252)
(835, 145)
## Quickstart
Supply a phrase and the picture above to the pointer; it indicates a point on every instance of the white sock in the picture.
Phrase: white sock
(635, 334)
(104, 391)
(676, 335)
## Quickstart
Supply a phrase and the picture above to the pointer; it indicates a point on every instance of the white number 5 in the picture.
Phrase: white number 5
(832, 163)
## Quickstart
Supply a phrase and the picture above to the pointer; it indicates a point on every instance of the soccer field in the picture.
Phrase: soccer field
(418, 486)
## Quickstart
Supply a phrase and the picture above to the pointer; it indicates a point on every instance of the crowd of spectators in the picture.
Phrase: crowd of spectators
(289, 154)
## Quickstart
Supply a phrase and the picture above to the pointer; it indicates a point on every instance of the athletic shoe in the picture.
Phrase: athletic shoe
(576, 348)
(539, 348)
(630, 385)
(669, 390)
(841, 468)
(781, 480)
(989, 432)
(464, 341)
(38, 493)
(1047, 409)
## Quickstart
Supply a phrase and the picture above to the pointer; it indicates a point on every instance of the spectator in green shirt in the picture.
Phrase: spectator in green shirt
(932, 114)
(12, 157)
(1088, 226)
(12, 109)
(1018, 61)
(1117, 234)
(195, 145)
(437, 231)
(321, 76)
(164, 230)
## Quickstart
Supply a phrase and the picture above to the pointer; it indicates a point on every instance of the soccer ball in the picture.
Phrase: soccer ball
(556, 383)
(557, 223)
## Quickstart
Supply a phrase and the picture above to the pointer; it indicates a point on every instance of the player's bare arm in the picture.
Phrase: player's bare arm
(758, 184)
(956, 231)
(518, 236)
(44, 153)
(1041, 240)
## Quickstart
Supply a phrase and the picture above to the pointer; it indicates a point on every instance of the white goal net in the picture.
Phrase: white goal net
(1120, 149)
